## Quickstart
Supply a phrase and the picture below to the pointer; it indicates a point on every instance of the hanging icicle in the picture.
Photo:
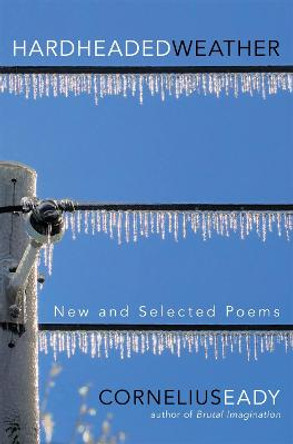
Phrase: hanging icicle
(126, 226)
(136, 85)
(47, 252)
(102, 344)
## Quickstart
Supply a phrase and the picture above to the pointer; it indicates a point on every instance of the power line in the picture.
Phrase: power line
(144, 69)
(96, 206)
(183, 207)
(165, 327)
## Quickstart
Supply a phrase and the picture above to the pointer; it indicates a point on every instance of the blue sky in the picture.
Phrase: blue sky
(193, 149)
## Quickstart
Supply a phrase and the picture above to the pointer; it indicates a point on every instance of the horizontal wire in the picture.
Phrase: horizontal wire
(182, 207)
(165, 327)
(19, 329)
(143, 69)
(88, 206)
(11, 209)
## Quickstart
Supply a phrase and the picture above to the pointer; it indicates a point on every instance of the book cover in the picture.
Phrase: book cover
(145, 222)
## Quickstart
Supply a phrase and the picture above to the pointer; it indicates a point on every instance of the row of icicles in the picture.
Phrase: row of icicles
(130, 226)
(103, 344)
(135, 85)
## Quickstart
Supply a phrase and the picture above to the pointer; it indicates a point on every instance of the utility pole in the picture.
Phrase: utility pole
(19, 415)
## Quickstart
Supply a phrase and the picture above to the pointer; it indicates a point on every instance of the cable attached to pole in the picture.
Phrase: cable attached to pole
(67, 205)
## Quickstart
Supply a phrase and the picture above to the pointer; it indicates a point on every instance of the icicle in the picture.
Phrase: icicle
(287, 226)
(279, 219)
(45, 255)
(263, 227)
(255, 343)
(205, 345)
(162, 224)
(223, 346)
(140, 86)
(203, 226)
(73, 225)
(111, 225)
(134, 226)
(239, 343)
(209, 228)
(105, 221)
(144, 223)
(86, 222)
(127, 228)
(66, 221)
(216, 352)
(98, 221)
(119, 228)
(106, 346)
(141, 224)
(242, 225)
(48, 250)
(247, 339)
(50, 258)
(184, 232)
(79, 219)
(93, 222)
(162, 85)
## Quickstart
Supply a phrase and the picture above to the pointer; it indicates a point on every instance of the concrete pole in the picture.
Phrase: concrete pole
(19, 416)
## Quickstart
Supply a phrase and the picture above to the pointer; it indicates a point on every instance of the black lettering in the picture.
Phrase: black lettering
(117, 397)
(138, 394)
(229, 44)
(157, 398)
(214, 396)
(198, 47)
(242, 47)
(169, 396)
(182, 47)
(216, 48)
(273, 47)
(101, 395)
(259, 45)
(180, 401)
(201, 402)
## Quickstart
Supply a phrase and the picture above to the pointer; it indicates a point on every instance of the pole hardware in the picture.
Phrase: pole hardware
(44, 224)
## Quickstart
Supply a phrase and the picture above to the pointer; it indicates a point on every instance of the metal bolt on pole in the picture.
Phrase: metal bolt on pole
(19, 416)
